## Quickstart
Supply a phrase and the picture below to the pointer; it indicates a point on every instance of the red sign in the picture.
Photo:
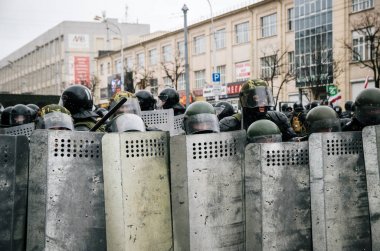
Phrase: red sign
(82, 70)
(233, 88)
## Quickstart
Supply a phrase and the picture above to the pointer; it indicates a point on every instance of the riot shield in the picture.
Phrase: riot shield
(178, 125)
(14, 153)
(66, 196)
(26, 129)
(207, 191)
(339, 201)
(136, 167)
(277, 200)
(371, 137)
(160, 119)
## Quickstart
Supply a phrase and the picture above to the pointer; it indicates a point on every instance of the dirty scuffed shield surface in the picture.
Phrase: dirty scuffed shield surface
(14, 154)
(277, 199)
(66, 194)
(26, 129)
(371, 146)
(207, 191)
(339, 202)
(160, 119)
(137, 194)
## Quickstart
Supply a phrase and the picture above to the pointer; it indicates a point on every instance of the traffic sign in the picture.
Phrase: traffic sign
(216, 77)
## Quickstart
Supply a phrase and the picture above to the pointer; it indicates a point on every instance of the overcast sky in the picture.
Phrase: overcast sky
(23, 20)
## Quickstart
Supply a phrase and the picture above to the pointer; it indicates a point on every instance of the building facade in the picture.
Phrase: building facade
(63, 56)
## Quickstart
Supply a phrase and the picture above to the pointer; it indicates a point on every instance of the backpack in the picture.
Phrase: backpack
(296, 124)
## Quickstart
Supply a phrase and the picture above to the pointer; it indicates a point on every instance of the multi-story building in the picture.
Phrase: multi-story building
(64, 55)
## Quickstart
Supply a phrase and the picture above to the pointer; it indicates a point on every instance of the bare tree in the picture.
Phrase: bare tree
(274, 65)
(368, 28)
(174, 69)
(142, 77)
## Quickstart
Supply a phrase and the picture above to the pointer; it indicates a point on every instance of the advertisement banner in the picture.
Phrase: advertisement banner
(243, 70)
(209, 90)
(114, 85)
(82, 70)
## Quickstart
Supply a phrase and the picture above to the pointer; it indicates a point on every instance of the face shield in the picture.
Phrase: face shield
(201, 123)
(276, 138)
(258, 97)
(19, 120)
(58, 121)
(131, 106)
(368, 115)
(325, 125)
(127, 123)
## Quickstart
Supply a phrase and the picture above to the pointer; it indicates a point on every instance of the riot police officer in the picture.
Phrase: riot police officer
(130, 106)
(224, 109)
(169, 99)
(322, 119)
(263, 131)
(20, 114)
(297, 120)
(35, 110)
(5, 117)
(366, 110)
(126, 122)
(146, 100)
(256, 100)
(200, 117)
(78, 100)
(348, 109)
(54, 117)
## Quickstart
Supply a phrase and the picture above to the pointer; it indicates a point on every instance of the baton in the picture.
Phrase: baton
(109, 114)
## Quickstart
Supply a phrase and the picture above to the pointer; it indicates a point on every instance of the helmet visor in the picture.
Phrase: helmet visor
(266, 139)
(325, 125)
(127, 123)
(58, 121)
(201, 123)
(368, 115)
(258, 97)
(130, 106)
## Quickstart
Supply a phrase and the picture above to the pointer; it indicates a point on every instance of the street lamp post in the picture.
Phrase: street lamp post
(104, 20)
(187, 83)
(214, 46)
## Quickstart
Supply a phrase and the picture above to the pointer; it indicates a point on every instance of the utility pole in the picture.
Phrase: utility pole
(187, 82)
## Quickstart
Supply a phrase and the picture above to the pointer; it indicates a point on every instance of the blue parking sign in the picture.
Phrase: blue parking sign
(216, 77)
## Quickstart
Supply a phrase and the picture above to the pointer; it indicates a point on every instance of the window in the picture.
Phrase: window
(167, 53)
(153, 57)
(222, 70)
(241, 33)
(181, 49)
(268, 65)
(181, 82)
(167, 82)
(199, 45)
(153, 86)
(358, 5)
(101, 69)
(129, 64)
(108, 68)
(118, 66)
(140, 60)
(361, 47)
(220, 39)
(199, 79)
(268, 25)
(291, 62)
(290, 19)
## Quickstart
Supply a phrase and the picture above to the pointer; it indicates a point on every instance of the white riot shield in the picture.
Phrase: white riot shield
(339, 202)
(277, 196)
(26, 130)
(66, 196)
(160, 119)
(178, 125)
(137, 194)
(371, 139)
(207, 191)
(14, 153)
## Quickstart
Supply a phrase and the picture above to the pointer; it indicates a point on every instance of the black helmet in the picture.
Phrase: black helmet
(224, 109)
(6, 117)
(78, 100)
(298, 107)
(315, 103)
(101, 111)
(284, 107)
(200, 117)
(168, 97)
(338, 109)
(322, 119)
(21, 114)
(35, 110)
(263, 131)
(348, 106)
(146, 100)
(367, 106)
